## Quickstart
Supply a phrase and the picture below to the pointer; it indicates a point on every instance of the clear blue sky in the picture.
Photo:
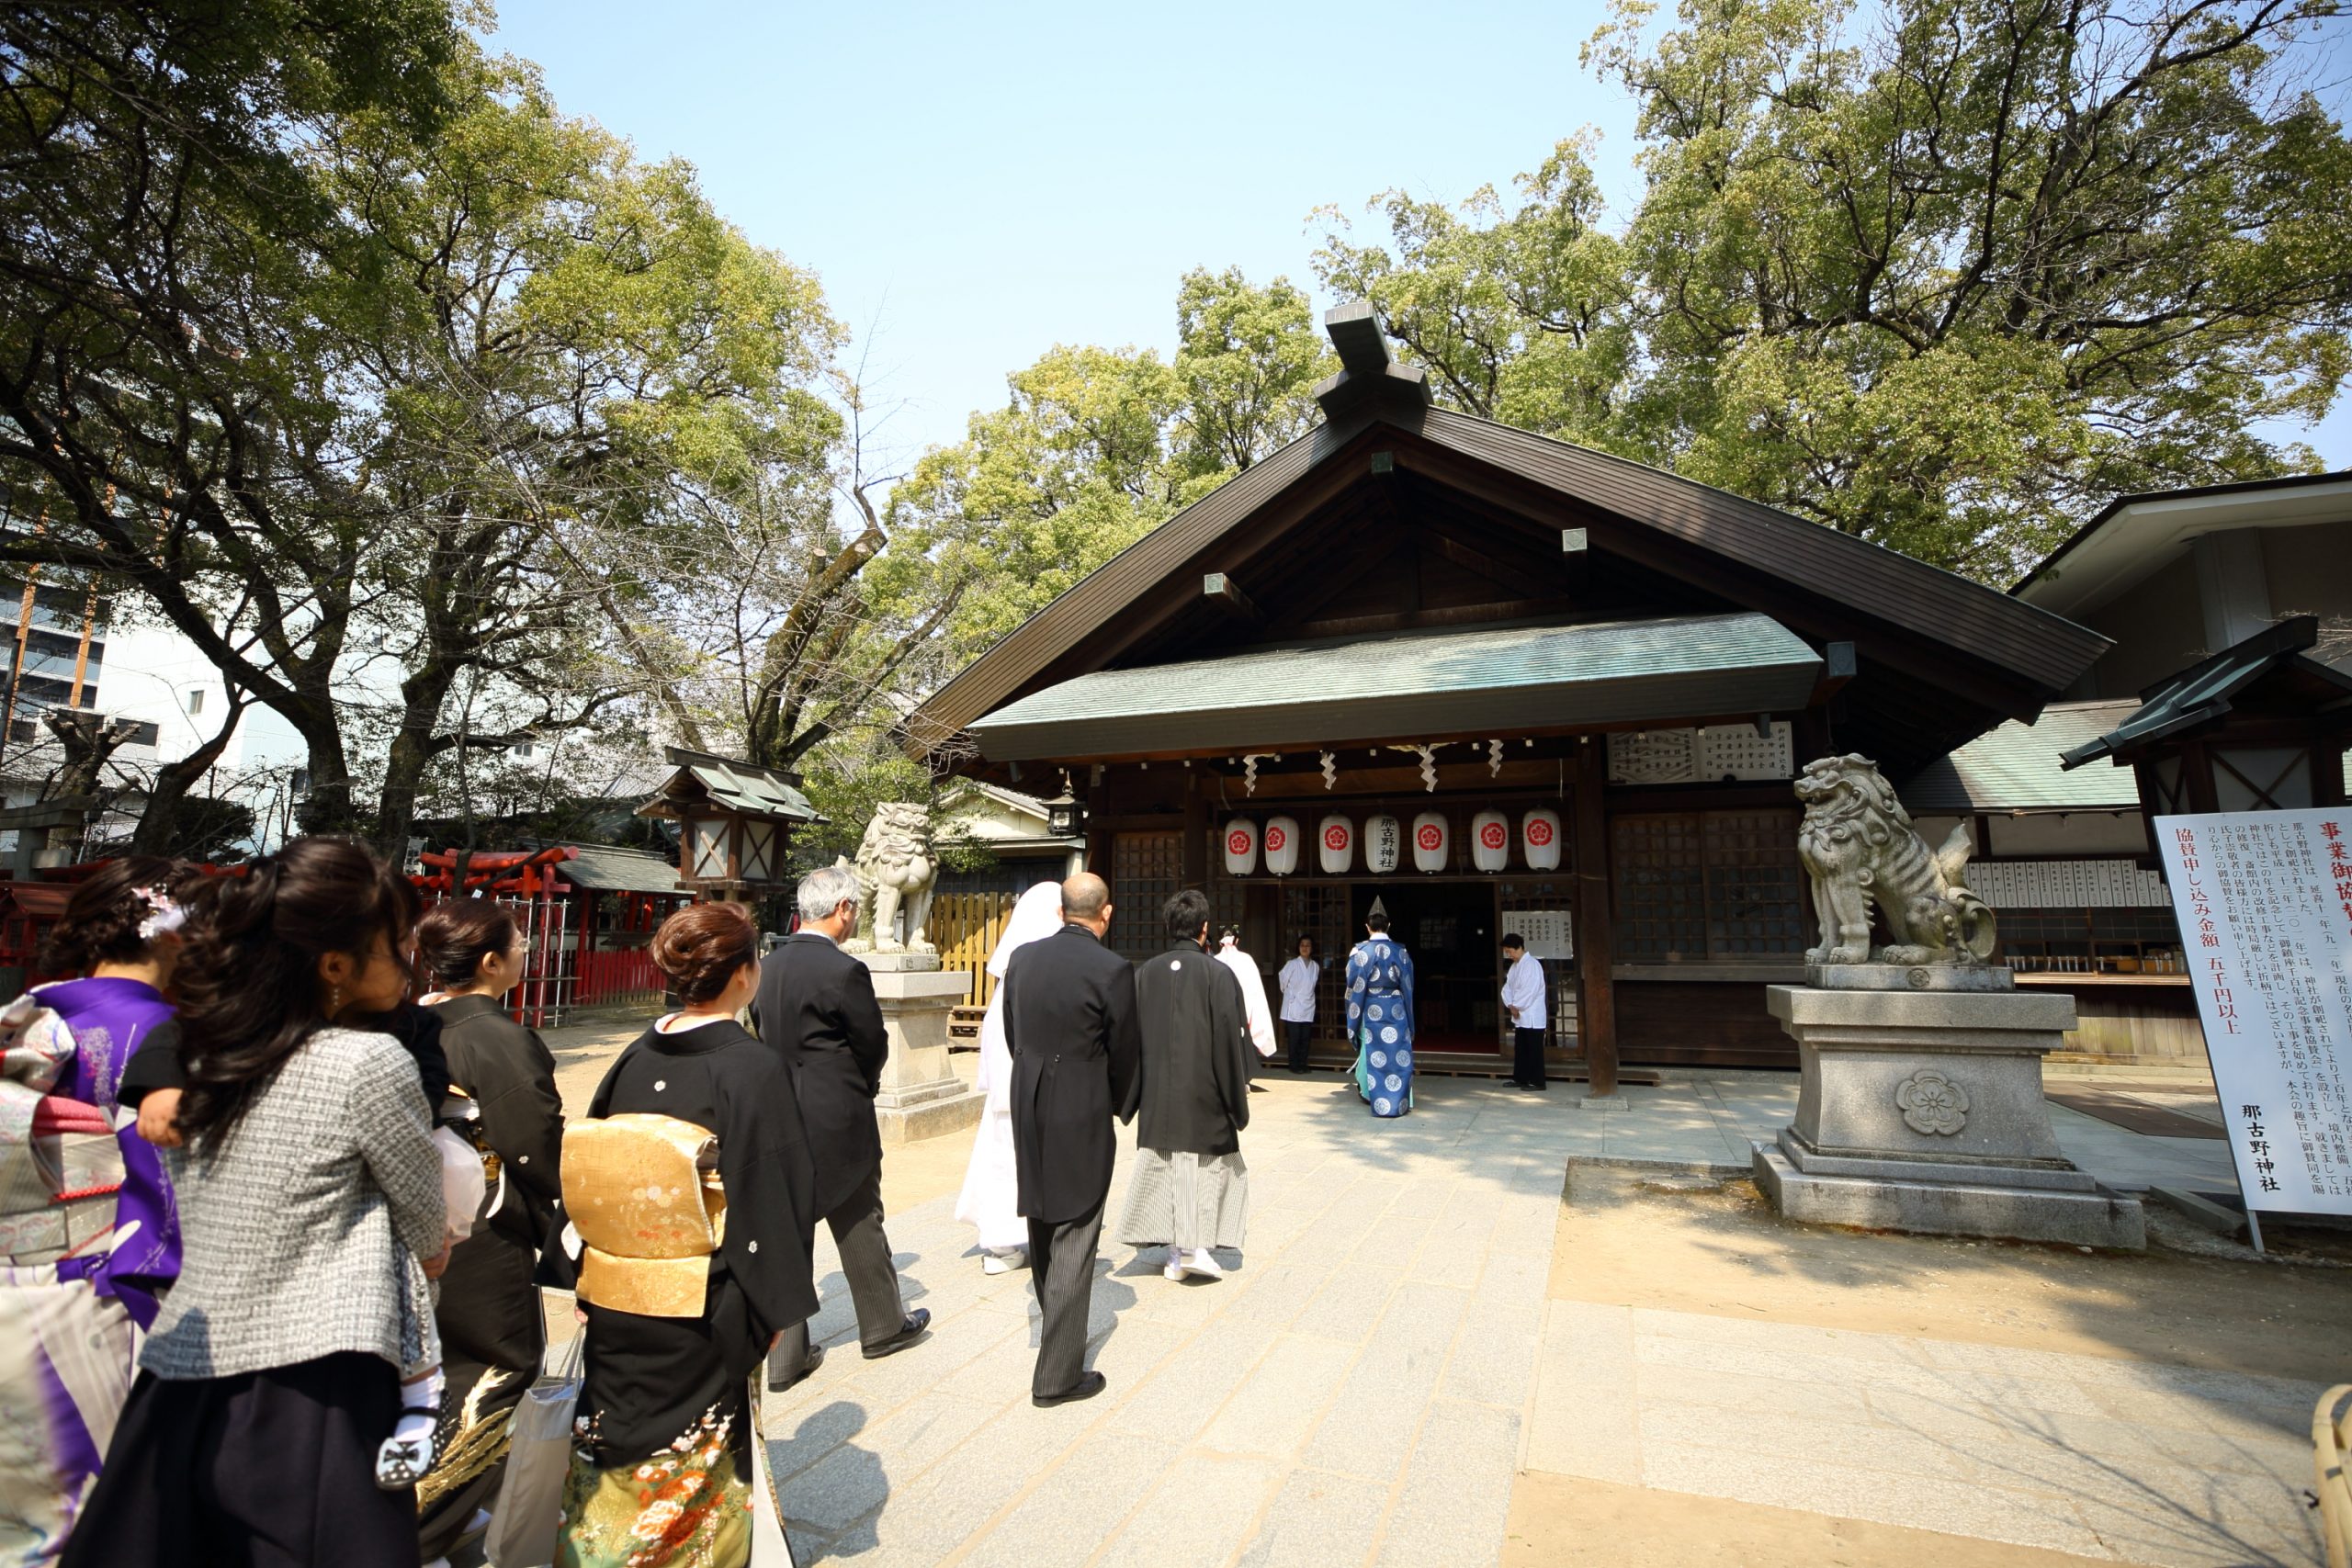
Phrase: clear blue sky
(975, 183)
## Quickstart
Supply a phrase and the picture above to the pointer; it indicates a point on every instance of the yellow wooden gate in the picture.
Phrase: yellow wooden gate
(965, 927)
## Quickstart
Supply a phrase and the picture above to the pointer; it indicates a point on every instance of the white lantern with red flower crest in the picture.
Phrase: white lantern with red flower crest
(1240, 847)
(1336, 845)
(1539, 831)
(1282, 845)
(1432, 842)
(1489, 840)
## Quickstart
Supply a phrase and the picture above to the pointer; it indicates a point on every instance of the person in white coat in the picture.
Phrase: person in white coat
(990, 1201)
(1298, 980)
(1525, 1000)
(1260, 1016)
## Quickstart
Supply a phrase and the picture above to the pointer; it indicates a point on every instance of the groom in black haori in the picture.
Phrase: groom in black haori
(1069, 1022)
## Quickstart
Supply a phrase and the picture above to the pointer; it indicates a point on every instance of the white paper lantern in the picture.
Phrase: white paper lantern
(1540, 835)
(1432, 842)
(1240, 847)
(1336, 845)
(1383, 841)
(1282, 845)
(1490, 841)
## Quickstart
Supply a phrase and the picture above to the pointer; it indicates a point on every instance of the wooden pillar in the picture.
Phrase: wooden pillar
(1197, 834)
(1595, 935)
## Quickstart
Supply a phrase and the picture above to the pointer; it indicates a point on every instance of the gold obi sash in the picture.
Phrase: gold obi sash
(643, 1193)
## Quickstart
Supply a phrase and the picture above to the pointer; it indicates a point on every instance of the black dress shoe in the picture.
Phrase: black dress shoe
(908, 1332)
(1257, 1088)
(1086, 1387)
(816, 1358)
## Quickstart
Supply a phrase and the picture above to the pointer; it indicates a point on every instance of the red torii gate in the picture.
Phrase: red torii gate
(524, 881)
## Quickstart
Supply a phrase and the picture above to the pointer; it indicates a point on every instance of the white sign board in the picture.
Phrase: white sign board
(2265, 901)
(1549, 936)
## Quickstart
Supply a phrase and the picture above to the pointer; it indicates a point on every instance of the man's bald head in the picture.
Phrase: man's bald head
(1085, 896)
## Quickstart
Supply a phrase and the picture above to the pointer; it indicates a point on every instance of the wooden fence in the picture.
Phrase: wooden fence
(964, 927)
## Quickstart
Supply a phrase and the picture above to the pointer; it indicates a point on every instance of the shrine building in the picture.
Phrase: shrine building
(1495, 682)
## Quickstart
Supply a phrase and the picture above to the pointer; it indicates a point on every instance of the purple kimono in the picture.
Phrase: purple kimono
(111, 1019)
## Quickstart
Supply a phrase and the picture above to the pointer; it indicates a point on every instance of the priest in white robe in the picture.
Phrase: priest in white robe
(1525, 999)
(990, 1201)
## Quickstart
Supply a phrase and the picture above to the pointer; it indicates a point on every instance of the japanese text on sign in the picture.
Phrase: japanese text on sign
(2265, 903)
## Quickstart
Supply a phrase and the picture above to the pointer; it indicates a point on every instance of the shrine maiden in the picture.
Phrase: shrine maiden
(1380, 1018)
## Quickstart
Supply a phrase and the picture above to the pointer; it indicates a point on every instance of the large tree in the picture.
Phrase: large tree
(362, 433)
(1945, 274)
(160, 221)
(566, 332)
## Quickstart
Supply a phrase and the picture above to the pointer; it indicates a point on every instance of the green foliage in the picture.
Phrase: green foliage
(1098, 446)
(169, 269)
(358, 354)
(1946, 274)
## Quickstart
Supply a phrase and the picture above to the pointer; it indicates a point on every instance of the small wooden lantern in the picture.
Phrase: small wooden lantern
(734, 823)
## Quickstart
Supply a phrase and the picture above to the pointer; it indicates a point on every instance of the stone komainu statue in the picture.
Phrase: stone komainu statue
(896, 867)
(1862, 853)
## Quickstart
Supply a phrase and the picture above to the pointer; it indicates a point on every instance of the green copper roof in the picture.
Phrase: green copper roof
(1499, 680)
(729, 781)
(2020, 767)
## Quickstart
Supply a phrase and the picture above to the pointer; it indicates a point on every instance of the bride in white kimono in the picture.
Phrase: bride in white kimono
(991, 1199)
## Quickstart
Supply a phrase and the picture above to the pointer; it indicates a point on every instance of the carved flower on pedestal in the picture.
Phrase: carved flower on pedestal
(1932, 1102)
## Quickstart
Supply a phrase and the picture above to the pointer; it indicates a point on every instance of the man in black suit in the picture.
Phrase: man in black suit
(1069, 1022)
(816, 1005)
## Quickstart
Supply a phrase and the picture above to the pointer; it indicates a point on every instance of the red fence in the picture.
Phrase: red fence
(624, 976)
(566, 970)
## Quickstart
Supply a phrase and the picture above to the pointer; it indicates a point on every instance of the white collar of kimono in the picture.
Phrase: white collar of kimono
(1038, 914)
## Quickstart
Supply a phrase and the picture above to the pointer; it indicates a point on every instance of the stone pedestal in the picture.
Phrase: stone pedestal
(921, 1096)
(1921, 1109)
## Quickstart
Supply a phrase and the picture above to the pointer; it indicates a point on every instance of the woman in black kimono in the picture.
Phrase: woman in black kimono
(492, 1335)
(663, 1467)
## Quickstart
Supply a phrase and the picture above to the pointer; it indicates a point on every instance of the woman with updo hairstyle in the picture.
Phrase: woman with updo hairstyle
(308, 1189)
(121, 932)
(664, 1469)
(81, 1276)
(470, 953)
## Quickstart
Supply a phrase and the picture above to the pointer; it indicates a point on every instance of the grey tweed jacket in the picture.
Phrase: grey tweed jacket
(293, 1228)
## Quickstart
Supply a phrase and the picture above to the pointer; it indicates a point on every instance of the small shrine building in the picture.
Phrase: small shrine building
(1495, 682)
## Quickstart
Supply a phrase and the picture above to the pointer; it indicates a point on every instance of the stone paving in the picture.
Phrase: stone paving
(1354, 1392)
(1384, 1360)
(1710, 1122)
(2125, 1460)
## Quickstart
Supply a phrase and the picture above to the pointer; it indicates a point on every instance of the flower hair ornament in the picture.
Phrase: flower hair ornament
(164, 917)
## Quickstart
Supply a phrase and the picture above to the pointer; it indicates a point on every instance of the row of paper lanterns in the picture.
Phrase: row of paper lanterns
(1385, 842)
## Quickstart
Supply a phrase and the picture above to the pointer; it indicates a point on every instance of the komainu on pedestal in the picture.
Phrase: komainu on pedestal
(1920, 1106)
(1862, 853)
(896, 868)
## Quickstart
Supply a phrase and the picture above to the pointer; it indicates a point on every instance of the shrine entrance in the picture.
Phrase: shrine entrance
(1449, 927)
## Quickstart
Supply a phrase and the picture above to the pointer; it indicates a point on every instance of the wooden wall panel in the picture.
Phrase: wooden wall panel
(1698, 1024)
